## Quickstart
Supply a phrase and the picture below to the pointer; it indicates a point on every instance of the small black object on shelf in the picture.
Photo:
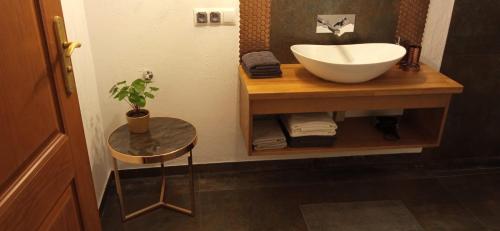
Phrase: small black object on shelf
(389, 126)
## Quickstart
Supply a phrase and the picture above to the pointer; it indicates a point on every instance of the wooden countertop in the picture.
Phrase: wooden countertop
(297, 82)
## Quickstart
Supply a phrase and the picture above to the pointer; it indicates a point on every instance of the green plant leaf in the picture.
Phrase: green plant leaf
(139, 85)
(142, 101)
(149, 95)
(137, 100)
(122, 94)
(132, 90)
(135, 92)
(134, 99)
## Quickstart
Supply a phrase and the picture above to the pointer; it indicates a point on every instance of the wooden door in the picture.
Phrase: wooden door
(45, 178)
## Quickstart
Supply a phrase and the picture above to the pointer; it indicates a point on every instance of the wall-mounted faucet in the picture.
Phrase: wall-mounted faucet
(340, 23)
(337, 24)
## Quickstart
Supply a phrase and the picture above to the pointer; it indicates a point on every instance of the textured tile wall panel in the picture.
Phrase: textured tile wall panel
(255, 21)
(411, 20)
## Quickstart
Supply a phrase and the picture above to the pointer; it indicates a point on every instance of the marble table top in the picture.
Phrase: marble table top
(167, 138)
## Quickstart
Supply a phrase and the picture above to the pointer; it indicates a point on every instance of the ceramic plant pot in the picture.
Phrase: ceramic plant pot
(138, 121)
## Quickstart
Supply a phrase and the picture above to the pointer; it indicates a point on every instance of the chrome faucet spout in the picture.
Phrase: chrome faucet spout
(332, 28)
(340, 23)
(338, 28)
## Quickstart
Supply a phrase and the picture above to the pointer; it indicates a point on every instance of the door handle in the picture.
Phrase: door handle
(70, 47)
(65, 49)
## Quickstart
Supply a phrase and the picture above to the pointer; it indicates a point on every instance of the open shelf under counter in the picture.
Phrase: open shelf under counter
(424, 95)
(359, 134)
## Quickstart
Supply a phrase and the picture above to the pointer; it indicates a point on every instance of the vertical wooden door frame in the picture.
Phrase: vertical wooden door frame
(72, 122)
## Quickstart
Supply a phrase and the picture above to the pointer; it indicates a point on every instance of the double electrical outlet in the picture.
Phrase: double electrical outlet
(214, 16)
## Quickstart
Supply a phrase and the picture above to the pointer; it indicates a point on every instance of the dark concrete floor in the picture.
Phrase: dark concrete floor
(270, 200)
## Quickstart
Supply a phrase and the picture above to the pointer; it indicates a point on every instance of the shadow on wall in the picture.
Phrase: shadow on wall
(98, 153)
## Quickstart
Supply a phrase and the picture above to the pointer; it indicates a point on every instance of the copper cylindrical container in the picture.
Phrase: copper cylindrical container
(411, 61)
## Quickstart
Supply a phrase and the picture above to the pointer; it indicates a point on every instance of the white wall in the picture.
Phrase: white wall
(436, 32)
(195, 68)
(76, 26)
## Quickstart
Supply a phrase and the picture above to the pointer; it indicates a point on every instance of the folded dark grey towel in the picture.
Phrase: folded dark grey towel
(310, 141)
(262, 64)
(278, 71)
(266, 68)
(263, 73)
(263, 76)
(254, 60)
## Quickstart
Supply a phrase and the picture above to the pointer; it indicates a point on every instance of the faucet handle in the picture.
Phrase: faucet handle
(398, 40)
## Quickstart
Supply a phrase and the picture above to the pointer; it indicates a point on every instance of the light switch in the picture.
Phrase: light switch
(228, 16)
(214, 16)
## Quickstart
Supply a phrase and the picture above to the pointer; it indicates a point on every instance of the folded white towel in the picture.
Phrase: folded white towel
(267, 134)
(309, 124)
(310, 128)
(309, 120)
(313, 133)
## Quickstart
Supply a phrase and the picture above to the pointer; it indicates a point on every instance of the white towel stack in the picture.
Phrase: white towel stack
(309, 124)
(267, 134)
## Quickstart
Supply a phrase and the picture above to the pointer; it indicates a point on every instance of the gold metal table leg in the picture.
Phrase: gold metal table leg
(191, 173)
(191, 179)
(163, 200)
(119, 189)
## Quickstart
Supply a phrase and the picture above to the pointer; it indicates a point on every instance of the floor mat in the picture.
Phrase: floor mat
(359, 216)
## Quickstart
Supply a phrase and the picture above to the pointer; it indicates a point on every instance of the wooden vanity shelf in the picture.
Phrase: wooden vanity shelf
(424, 96)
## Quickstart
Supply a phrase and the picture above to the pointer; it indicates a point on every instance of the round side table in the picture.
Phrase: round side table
(167, 139)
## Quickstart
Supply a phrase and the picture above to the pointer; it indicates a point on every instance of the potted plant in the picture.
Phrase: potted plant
(135, 95)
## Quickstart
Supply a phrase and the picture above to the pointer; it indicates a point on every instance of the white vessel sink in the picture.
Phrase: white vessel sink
(348, 63)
